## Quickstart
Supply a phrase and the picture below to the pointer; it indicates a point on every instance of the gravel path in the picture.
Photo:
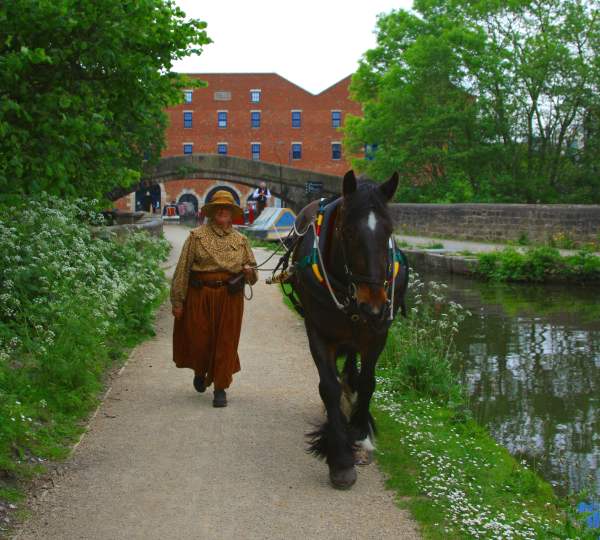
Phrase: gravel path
(159, 462)
(456, 246)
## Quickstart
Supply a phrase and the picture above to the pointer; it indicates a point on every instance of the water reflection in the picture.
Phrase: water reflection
(532, 369)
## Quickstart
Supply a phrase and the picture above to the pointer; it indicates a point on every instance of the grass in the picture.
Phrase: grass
(433, 245)
(430, 245)
(456, 480)
(264, 244)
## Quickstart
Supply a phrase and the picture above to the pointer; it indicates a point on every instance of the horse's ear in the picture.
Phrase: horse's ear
(349, 183)
(387, 189)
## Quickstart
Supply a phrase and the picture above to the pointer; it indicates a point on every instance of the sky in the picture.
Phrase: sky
(313, 43)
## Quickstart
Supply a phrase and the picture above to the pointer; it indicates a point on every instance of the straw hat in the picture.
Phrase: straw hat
(222, 198)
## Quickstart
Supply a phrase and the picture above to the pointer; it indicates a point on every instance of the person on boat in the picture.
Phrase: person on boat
(261, 195)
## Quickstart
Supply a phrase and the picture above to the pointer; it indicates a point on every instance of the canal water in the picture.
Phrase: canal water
(532, 371)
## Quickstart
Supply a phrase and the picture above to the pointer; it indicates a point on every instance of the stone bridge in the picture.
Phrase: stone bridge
(287, 183)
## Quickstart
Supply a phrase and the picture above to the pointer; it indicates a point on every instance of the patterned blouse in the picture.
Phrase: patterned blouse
(209, 248)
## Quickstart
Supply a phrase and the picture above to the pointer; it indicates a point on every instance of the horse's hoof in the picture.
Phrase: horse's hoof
(343, 479)
(363, 457)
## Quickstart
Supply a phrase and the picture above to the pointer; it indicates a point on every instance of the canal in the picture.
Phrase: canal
(531, 368)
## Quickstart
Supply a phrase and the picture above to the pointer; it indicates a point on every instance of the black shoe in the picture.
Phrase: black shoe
(199, 383)
(220, 399)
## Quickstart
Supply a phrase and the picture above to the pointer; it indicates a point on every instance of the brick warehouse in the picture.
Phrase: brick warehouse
(254, 116)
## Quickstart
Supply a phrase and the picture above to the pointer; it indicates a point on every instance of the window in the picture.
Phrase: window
(188, 148)
(296, 150)
(255, 149)
(336, 119)
(222, 95)
(187, 119)
(296, 119)
(255, 96)
(187, 96)
(255, 119)
(370, 150)
(336, 150)
(222, 119)
(222, 149)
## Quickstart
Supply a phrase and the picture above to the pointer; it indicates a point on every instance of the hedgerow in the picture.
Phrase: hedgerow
(70, 305)
(539, 264)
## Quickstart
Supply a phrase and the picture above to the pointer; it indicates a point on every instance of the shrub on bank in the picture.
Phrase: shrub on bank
(538, 265)
(69, 306)
(457, 481)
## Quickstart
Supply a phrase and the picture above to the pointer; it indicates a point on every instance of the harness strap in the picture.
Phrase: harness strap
(344, 301)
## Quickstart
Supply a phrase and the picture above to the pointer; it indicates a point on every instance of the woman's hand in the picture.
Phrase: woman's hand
(177, 311)
(248, 271)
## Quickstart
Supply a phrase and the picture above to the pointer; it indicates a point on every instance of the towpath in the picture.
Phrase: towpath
(159, 462)
(452, 246)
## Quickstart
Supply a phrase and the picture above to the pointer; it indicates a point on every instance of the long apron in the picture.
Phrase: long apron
(206, 337)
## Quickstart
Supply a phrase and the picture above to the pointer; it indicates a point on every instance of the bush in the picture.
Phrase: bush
(69, 305)
(538, 265)
(420, 352)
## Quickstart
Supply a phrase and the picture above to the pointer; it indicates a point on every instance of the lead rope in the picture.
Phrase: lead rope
(251, 292)
(391, 318)
(281, 244)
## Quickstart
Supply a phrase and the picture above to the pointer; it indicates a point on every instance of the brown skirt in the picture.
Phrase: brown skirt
(206, 337)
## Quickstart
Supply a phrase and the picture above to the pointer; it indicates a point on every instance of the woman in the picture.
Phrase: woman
(208, 314)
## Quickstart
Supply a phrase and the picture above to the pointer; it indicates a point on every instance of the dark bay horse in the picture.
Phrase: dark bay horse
(348, 302)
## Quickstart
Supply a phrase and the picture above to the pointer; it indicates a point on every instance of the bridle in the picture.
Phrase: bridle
(346, 299)
(343, 295)
(351, 304)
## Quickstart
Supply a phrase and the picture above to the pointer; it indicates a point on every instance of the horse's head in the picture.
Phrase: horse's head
(364, 230)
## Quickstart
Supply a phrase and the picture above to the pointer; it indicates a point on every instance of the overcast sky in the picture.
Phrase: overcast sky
(313, 43)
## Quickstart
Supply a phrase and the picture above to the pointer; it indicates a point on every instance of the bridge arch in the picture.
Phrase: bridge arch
(212, 192)
(287, 183)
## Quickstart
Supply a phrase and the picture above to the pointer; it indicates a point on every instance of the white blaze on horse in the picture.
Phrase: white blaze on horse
(348, 280)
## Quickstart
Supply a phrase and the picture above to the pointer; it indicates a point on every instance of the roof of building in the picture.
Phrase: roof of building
(270, 74)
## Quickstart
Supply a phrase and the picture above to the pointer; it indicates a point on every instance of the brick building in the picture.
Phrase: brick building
(255, 116)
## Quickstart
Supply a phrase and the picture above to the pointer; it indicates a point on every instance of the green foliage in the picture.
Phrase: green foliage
(433, 245)
(523, 239)
(83, 87)
(420, 352)
(483, 101)
(70, 305)
(538, 265)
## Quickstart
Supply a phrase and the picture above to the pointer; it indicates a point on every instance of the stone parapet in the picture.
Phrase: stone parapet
(537, 223)
(153, 226)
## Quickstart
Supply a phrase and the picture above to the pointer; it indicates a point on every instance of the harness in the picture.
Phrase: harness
(344, 295)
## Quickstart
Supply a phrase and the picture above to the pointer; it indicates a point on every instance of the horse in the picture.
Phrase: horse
(349, 280)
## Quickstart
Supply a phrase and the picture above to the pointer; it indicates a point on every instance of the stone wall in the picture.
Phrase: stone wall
(153, 226)
(499, 222)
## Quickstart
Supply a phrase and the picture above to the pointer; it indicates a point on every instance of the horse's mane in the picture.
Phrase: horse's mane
(365, 198)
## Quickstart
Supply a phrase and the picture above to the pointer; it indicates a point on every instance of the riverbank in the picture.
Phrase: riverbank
(72, 307)
(447, 469)
(502, 262)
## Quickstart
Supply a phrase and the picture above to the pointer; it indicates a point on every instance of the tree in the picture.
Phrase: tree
(83, 88)
(484, 100)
